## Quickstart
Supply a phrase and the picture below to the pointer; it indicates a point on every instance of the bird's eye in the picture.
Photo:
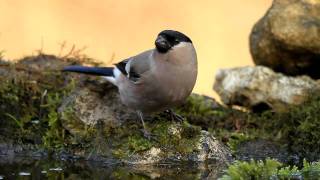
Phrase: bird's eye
(176, 40)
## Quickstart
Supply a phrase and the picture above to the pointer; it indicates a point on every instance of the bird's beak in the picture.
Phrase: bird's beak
(162, 44)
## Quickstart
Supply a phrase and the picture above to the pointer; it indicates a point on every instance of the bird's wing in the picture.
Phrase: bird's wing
(122, 66)
(135, 66)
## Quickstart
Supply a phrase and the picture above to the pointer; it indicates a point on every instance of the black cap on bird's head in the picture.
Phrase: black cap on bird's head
(168, 38)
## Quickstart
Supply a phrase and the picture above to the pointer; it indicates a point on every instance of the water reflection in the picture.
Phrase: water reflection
(26, 168)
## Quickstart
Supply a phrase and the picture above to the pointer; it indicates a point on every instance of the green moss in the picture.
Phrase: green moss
(288, 172)
(54, 136)
(299, 128)
(29, 99)
(15, 92)
(310, 170)
(124, 147)
(190, 131)
(201, 106)
(224, 123)
(236, 139)
(252, 170)
(132, 145)
(127, 139)
(170, 136)
(78, 128)
(176, 137)
(204, 111)
(137, 143)
(270, 169)
(17, 109)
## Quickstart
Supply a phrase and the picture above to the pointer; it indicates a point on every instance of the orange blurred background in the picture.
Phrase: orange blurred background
(219, 29)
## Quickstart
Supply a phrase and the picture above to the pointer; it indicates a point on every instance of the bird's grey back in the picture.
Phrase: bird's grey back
(141, 62)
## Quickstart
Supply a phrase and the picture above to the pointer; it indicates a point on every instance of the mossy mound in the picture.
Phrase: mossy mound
(98, 117)
(31, 90)
(83, 115)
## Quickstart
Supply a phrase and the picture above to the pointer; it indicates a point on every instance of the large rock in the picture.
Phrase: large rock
(91, 103)
(117, 130)
(287, 38)
(260, 87)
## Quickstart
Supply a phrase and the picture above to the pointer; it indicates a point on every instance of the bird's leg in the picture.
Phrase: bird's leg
(146, 133)
(174, 116)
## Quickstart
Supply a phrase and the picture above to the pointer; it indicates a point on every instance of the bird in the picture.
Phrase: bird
(155, 80)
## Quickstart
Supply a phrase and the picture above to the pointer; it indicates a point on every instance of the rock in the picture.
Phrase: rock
(207, 148)
(118, 130)
(287, 38)
(260, 149)
(259, 88)
(202, 110)
(90, 103)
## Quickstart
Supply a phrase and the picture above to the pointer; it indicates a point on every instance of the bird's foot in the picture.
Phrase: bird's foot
(174, 116)
(148, 135)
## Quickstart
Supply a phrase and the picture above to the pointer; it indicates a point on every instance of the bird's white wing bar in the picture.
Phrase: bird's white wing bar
(127, 68)
(113, 79)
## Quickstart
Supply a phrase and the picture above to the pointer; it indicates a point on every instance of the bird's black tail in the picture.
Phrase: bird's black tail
(98, 71)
